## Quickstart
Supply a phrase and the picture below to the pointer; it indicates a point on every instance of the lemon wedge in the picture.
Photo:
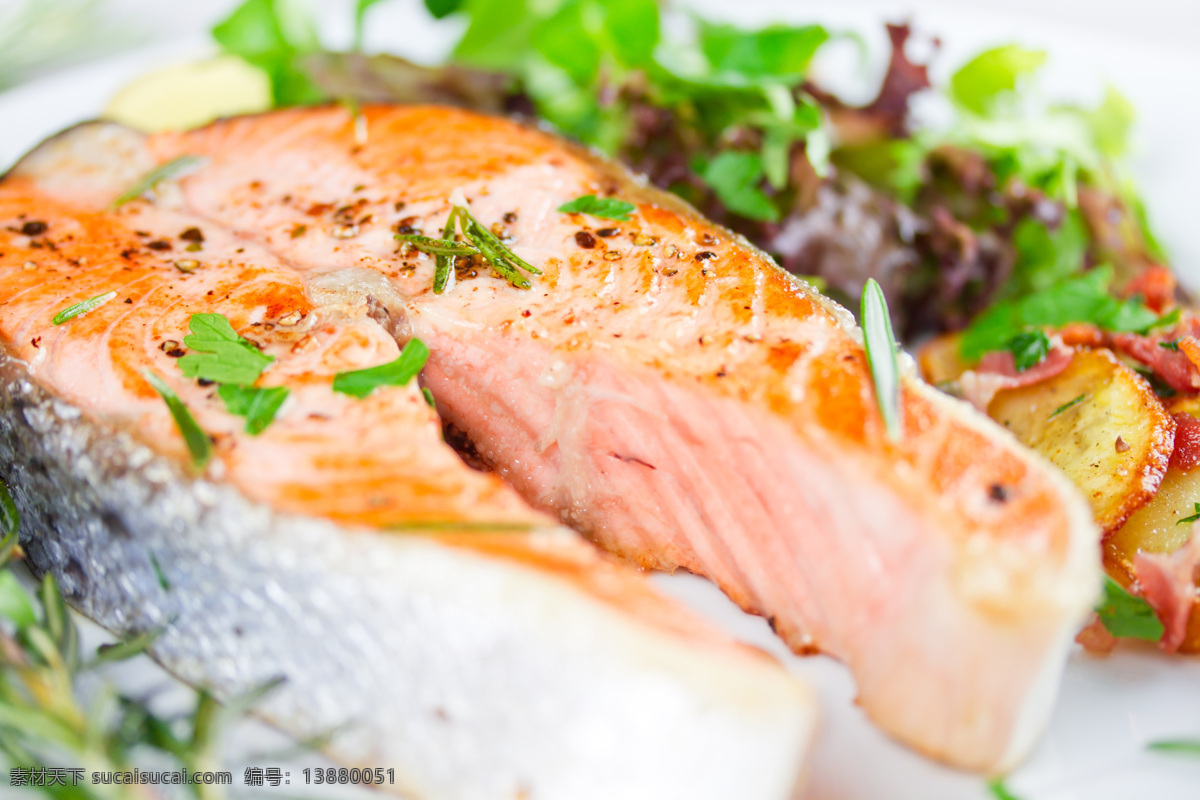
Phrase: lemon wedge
(189, 95)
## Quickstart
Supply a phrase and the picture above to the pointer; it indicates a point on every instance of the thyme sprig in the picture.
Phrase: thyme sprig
(464, 235)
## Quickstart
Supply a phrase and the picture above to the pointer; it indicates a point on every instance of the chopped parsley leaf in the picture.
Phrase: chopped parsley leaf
(361, 382)
(1126, 616)
(1029, 349)
(220, 354)
(197, 441)
(257, 405)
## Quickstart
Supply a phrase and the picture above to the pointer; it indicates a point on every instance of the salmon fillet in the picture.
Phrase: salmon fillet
(666, 389)
(421, 608)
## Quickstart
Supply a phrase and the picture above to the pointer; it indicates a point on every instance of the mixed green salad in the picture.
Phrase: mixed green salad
(1015, 199)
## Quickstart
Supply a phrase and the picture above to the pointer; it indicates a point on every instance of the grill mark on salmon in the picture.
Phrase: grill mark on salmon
(275, 558)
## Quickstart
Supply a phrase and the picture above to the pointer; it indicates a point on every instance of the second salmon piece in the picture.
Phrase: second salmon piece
(665, 388)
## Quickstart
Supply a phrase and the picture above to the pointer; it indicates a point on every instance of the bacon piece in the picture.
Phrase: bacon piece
(1155, 285)
(1186, 454)
(1168, 582)
(997, 371)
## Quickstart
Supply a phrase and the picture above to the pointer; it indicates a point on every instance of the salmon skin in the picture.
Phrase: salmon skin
(666, 389)
(418, 608)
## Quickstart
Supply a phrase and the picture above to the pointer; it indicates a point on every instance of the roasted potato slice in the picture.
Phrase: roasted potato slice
(1156, 528)
(1101, 424)
(939, 359)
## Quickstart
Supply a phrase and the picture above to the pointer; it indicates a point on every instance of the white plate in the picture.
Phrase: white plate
(1109, 709)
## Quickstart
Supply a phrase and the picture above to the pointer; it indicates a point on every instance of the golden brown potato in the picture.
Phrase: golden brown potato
(1101, 424)
(939, 360)
(1156, 528)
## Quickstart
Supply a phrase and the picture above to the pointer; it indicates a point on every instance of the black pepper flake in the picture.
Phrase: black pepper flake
(998, 492)
(34, 228)
(128, 254)
(704, 255)
(205, 381)
(398, 205)
(129, 301)
(192, 235)
(607, 232)
(143, 234)
(509, 217)
(159, 244)
(585, 240)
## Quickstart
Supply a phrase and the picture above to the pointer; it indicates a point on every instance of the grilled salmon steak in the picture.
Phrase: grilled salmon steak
(418, 607)
(653, 381)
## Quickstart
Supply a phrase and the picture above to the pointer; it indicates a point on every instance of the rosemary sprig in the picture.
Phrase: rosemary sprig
(44, 721)
(79, 309)
(881, 356)
(172, 169)
(476, 240)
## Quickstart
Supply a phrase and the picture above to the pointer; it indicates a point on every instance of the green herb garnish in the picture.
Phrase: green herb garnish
(881, 356)
(1082, 298)
(1193, 517)
(275, 36)
(736, 177)
(222, 356)
(10, 517)
(172, 169)
(1029, 349)
(600, 207)
(159, 575)
(428, 395)
(1183, 747)
(985, 79)
(1126, 616)
(1172, 345)
(15, 603)
(48, 717)
(79, 309)
(445, 246)
(258, 406)
(362, 382)
(1000, 791)
(1069, 404)
(197, 441)
(127, 649)
(477, 241)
